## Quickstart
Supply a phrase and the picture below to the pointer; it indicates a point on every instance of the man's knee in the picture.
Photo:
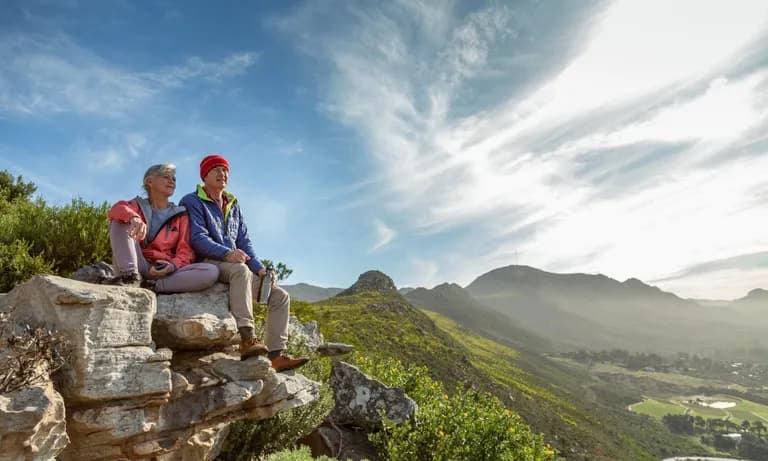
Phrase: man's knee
(239, 271)
(279, 296)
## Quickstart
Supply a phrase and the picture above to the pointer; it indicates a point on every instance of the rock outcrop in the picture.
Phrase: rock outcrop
(359, 403)
(127, 399)
(360, 399)
(371, 281)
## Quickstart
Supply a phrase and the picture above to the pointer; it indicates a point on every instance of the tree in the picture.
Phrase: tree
(679, 424)
(745, 426)
(758, 427)
(11, 189)
(282, 271)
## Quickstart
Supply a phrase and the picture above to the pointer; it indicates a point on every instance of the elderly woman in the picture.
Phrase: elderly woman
(150, 240)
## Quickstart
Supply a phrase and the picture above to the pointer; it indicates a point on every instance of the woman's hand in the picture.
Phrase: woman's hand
(137, 229)
(155, 273)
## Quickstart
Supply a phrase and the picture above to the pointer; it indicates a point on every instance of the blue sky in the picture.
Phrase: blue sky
(431, 140)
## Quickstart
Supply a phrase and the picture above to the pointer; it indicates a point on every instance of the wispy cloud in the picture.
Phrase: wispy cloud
(649, 103)
(383, 235)
(53, 74)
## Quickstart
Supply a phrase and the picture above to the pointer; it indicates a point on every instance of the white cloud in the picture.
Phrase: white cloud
(723, 284)
(488, 169)
(384, 235)
(53, 74)
(195, 67)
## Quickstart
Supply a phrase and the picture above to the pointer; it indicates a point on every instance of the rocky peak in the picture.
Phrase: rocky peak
(371, 281)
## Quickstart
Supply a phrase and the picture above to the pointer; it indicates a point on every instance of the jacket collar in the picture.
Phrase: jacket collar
(231, 199)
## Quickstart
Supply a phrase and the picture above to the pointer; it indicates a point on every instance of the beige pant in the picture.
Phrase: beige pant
(243, 286)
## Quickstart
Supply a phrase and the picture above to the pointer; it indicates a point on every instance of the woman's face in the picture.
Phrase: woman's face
(163, 185)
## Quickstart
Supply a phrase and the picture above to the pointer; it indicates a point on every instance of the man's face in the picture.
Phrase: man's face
(217, 178)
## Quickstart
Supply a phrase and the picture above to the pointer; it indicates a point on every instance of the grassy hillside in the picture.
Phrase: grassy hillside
(545, 394)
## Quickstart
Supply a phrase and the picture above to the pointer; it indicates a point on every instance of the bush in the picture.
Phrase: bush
(37, 238)
(468, 425)
(298, 454)
(248, 440)
(17, 265)
(28, 355)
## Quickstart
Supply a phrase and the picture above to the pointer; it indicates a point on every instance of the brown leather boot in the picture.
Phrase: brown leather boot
(251, 347)
(286, 362)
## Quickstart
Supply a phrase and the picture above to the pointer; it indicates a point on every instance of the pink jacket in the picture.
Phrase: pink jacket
(172, 241)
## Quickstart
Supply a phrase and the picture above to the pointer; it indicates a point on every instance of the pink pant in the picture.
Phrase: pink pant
(128, 259)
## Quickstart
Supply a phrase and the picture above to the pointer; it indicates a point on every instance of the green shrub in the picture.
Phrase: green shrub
(38, 238)
(298, 454)
(248, 440)
(69, 236)
(17, 265)
(468, 425)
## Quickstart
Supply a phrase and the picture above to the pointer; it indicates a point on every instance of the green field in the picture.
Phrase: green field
(744, 409)
(670, 378)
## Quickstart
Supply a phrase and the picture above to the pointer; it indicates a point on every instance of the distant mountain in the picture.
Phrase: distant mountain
(310, 293)
(758, 295)
(405, 290)
(595, 311)
(455, 302)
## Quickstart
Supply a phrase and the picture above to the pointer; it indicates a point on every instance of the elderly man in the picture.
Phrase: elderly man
(219, 235)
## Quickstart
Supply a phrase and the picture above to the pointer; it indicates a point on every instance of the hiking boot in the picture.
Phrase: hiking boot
(286, 362)
(123, 280)
(251, 347)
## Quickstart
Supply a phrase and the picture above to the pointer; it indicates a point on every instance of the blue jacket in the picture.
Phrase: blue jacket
(212, 233)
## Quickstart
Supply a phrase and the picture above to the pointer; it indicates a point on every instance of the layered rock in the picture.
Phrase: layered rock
(127, 400)
(32, 423)
(194, 321)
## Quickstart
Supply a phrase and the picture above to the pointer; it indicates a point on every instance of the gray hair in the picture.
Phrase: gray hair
(158, 170)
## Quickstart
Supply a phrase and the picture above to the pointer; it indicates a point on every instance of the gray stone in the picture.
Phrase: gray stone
(109, 330)
(359, 399)
(334, 349)
(32, 423)
(195, 321)
(306, 333)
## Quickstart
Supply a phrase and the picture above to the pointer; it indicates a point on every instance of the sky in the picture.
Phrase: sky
(431, 140)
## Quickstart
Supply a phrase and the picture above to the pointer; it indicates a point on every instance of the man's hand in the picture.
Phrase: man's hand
(137, 229)
(155, 273)
(262, 272)
(236, 256)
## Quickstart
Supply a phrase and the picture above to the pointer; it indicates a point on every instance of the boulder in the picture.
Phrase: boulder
(126, 400)
(359, 399)
(109, 330)
(32, 423)
(306, 333)
(195, 321)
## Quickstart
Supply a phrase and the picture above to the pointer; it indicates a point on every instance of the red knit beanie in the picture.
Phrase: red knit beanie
(210, 162)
